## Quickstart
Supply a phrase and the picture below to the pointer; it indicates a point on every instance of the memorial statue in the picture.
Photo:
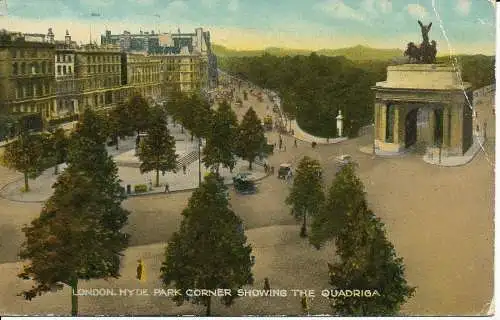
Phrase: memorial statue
(425, 31)
(426, 52)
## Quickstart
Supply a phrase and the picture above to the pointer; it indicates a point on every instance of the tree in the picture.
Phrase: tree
(345, 193)
(306, 196)
(59, 147)
(209, 251)
(119, 124)
(26, 155)
(138, 112)
(78, 234)
(368, 260)
(250, 138)
(158, 148)
(221, 142)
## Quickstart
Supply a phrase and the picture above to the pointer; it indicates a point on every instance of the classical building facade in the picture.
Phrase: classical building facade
(27, 81)
(423, 103)
(188, 56)
(98, 75)
(67, 92)
(141, 74)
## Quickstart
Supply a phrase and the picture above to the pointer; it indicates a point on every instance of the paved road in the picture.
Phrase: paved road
(439, 219)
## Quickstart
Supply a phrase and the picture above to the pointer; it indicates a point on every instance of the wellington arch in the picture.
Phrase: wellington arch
(423, 104)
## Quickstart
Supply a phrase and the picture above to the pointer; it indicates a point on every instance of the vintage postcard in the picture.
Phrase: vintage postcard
(247, 158)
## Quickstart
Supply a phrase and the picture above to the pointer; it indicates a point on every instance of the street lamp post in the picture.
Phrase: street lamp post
(199, 162)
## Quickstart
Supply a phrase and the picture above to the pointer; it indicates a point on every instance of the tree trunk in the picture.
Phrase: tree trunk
(74, 297)
(209, 306)
(303, 230)
(157, 177)
(56, 169)
(117, 141)
(26, 185)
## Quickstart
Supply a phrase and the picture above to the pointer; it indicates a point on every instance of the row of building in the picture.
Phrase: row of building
(58, 79)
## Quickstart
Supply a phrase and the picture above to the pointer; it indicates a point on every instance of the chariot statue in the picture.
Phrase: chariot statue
(426, 51)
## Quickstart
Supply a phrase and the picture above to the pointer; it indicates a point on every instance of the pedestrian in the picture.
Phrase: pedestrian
(305, 305)
(150, 183)
(280, 144)
(266, 168)
(184, 168)
(167, 188)
(295, 143)
(313, 144)
(140, 275)
(267, 286)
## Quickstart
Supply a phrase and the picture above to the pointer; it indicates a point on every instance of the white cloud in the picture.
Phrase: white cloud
(417, 11)
(385, 6)
(338, 9)
(463, 7)
(233, 5)
(97, 3)
(376, 6)
(210, 3)
(177, 6)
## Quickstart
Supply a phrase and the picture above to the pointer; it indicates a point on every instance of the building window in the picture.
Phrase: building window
(64, 69)
(23, 68)
(14, 68)
(58, 69)
(69, 69)
(44, 67)
(88, 69)
(69, 58)
(58, 58)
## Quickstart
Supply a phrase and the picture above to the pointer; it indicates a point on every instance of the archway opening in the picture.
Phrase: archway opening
(411, 128)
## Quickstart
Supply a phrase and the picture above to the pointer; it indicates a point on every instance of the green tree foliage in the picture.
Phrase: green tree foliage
(314, 88)
(78, 234)
(221, 141)
(345, 193)
(306, 195)
(368, 260)
(7, 123)
(27, 155)
(478, 70)
(138, 112)
(119, 124)
(57, 148)
(157, 152)
(250, 142)
(209, 251)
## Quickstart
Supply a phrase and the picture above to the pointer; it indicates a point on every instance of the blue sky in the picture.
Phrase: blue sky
(469, 25)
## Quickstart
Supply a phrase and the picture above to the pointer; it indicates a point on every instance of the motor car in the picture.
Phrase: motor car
(243, 184)
(283, 170)
(344, 159)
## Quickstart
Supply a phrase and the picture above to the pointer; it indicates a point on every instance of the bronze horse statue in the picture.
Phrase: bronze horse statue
(426, 52)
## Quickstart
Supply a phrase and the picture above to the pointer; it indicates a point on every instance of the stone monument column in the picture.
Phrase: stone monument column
(340, 119)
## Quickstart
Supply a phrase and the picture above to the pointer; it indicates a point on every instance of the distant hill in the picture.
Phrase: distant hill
(353, 53)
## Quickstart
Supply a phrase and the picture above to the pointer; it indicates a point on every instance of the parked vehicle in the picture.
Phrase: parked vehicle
(284, 170)
(243, 184)
(343, 160)
(268, 123)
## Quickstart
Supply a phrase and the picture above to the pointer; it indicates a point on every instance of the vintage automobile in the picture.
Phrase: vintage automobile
(243, 184)
(284, 169)
(343, 160)
(268, 122)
